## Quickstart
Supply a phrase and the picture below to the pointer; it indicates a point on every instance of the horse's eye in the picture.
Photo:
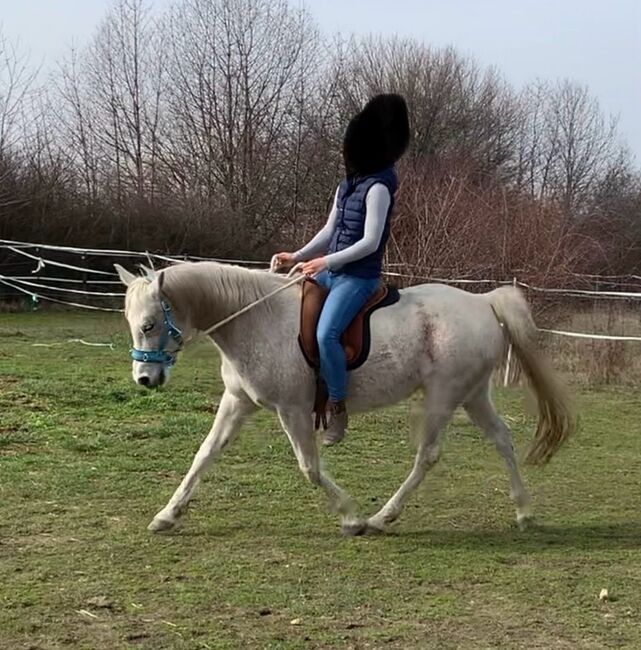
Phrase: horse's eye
(147, 327)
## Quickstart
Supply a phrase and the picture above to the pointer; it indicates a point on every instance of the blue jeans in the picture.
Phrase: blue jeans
(347, 294)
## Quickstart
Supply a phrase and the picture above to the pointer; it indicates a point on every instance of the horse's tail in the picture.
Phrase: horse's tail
(556, 418)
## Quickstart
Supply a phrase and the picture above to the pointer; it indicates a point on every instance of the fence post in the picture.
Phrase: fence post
(508, 363)
(34, 297)
(83, 257)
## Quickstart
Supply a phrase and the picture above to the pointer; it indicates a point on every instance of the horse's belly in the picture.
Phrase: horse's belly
(392, 372)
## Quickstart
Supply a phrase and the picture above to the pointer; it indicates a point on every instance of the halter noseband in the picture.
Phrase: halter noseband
(170, 331)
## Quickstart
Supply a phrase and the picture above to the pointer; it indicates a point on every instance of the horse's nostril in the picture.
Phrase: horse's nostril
(143, 380)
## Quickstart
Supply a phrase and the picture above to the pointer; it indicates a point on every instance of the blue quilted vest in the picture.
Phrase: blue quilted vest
(350, 203)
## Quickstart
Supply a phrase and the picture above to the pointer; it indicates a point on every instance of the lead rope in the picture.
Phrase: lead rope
(272, 267)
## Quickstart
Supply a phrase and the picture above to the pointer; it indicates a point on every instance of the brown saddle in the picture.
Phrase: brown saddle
(356, 339)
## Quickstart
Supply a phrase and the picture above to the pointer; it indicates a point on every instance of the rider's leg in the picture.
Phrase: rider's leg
(346, 297)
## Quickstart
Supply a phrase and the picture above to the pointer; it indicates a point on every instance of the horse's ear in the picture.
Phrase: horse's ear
(125, 276)
(155, 286)
(150, 274)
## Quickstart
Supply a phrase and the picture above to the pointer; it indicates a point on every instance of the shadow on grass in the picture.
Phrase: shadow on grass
(538, 538)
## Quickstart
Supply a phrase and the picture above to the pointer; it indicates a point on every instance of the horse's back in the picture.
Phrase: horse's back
(438, 327)
(435, 335)
(445, 306)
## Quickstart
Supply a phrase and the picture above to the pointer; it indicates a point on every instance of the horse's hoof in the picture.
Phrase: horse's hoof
(354, 528)
(159, 525)
(374, 528)
(525, 522)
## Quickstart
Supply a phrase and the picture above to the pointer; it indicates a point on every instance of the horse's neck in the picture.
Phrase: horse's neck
(212, 294)
(265, 331)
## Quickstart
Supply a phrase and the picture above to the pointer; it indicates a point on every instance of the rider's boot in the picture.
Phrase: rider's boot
(337, 423)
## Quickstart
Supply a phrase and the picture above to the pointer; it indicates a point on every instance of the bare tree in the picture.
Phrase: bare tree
(76, 129)
(17, 78)
(566, 145)
(16, 83)
(216, 127)
(242, 73)
(456, 108)
(110, 114)
(125, 74)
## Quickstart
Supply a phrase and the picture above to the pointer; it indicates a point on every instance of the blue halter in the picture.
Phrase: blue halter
(161, 355)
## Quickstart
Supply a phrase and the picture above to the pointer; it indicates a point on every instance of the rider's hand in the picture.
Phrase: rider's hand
(314, 267)
(285, 259)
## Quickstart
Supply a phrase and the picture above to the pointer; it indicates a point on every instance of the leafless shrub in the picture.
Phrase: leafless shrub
(215, 128)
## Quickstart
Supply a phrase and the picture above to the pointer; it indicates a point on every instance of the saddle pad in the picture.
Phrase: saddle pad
(356, 339)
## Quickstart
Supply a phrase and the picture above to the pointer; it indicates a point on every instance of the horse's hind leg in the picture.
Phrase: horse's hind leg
(484, 415)
(437, 414)
(298, 426)
(232, 411)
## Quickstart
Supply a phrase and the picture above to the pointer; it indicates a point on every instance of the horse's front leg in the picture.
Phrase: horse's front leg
(232, 411)
(298, 426)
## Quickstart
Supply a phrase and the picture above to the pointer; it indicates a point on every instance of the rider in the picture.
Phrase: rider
(346, 255)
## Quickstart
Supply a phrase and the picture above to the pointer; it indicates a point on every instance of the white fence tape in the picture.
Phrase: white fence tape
(56, 300)
(582, 292)
(13, 244)
(598, 337)
(18, 246)
(8, 243)
(42, 263)
(84, 292)
(111, 346)
(606, 278)
(412, 276)
(22, 283)
(15, 278)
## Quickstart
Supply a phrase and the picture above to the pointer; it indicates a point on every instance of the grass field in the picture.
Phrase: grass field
(87, 458)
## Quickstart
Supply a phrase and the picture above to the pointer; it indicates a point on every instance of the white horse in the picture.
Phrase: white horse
(438, 339)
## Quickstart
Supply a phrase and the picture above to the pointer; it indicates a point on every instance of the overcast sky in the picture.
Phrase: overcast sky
(595, 42)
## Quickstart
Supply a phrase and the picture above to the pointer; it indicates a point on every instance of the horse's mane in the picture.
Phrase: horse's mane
(200, 287)
(135, 291)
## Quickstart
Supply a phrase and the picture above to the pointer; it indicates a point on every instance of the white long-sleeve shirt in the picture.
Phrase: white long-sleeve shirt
(377, 204)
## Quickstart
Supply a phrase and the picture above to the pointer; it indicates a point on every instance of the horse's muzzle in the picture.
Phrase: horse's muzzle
(152, 382)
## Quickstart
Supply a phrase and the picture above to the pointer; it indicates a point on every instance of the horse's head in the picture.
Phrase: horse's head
(156, 336)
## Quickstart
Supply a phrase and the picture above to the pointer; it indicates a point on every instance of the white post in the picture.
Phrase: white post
(508, 363)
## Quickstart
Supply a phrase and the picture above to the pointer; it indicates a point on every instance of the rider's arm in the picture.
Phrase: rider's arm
(320, 243)
(377, 205)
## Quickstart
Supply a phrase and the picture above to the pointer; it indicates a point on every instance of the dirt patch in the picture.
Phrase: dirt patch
(427, 335)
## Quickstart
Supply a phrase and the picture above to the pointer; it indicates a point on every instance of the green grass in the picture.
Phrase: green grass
(87, 458)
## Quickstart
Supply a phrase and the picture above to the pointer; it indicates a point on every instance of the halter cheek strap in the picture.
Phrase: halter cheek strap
(169, 332)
